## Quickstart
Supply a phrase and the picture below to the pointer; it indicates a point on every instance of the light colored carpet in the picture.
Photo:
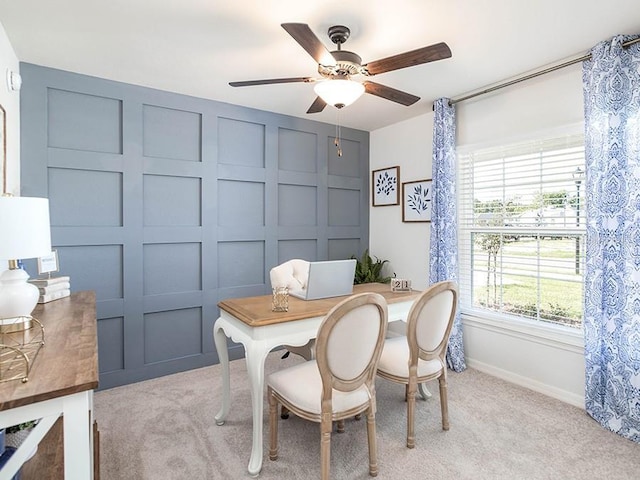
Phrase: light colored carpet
(164, 429)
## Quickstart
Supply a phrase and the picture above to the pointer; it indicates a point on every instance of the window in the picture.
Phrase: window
(522, 222)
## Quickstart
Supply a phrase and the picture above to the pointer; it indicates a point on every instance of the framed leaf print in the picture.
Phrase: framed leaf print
(416, 201)
(384, 186)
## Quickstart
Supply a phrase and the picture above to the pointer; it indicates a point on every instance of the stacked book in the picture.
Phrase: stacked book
(52, 288)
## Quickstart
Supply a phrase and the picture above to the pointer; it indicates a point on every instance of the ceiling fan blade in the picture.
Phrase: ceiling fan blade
(389, 93)
(302, 34)
(419, 56)
(317, 106)
(249, 83)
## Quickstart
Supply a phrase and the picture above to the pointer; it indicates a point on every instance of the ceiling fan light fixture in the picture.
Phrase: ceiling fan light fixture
(339, 92)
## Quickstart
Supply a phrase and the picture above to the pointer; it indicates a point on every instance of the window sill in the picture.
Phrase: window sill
(558, 336)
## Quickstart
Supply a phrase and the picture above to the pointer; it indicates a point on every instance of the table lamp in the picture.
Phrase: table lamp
(24, 223)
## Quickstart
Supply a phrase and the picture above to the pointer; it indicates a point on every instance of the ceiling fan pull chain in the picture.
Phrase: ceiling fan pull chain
(336, 141)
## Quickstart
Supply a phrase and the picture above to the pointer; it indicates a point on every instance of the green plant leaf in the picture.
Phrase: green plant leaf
(369, 270)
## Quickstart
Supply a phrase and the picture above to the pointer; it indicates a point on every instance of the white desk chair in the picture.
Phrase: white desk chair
(420, 356)
(340, 382)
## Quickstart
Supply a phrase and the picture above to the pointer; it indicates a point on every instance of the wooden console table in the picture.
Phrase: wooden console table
(61, 384)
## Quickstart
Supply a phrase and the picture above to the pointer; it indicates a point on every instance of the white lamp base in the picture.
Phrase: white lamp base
(18, 298)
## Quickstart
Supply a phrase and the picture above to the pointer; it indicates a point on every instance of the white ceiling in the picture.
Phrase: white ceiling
(196, 47)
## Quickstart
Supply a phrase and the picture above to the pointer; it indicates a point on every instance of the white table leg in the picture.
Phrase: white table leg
(256, 354)
(424, 393)
(77, 437)
(220, 340)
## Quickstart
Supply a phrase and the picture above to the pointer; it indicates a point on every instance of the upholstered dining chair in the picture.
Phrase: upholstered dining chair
(340, 382)
(420, 355)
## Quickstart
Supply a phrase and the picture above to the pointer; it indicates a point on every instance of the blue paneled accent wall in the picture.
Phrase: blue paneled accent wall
(165, 204)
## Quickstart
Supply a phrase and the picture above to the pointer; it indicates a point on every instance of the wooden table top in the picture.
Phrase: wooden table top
(256, 311)
(68, 361)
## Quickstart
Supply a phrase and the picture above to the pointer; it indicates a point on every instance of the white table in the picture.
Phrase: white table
(251, 322)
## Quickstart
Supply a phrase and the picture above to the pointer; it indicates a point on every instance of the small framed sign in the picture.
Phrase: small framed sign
(416, 201)
(48, 263)
(384, 186)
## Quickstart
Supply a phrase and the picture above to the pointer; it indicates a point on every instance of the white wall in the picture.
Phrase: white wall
(10, 101)
(405, 245)
(549, 361)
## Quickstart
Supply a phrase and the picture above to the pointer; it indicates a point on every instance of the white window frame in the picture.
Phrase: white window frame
(549, 333)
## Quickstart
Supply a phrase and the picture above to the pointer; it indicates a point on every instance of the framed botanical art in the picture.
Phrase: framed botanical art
(384, 186)
(416, 201)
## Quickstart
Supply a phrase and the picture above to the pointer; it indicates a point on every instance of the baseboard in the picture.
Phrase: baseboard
(554, 392)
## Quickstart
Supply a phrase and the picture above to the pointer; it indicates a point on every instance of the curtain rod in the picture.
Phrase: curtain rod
(534, 74)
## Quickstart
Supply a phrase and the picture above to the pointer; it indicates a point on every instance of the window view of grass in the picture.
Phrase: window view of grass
(530, 276)
(522, 227)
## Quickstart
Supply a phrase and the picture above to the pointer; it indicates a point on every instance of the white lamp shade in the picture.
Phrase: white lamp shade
(338, 92)
(24, 223)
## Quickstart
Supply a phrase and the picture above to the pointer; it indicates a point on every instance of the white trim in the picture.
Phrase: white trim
(548, 334)
(557, 393)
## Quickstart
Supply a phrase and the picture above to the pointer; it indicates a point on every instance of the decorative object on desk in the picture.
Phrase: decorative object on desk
(416, 201)
(52, 288)
(368, 270)
(50, 281)
(24, 222)
(280, 299)
(18, 351)
(400, 285)
(57, 295)
(48, 263)
(384, 186)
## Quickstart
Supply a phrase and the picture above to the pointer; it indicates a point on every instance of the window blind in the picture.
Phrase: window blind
(522, 222)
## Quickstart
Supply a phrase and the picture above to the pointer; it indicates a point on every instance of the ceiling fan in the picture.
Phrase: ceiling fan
(335, 87)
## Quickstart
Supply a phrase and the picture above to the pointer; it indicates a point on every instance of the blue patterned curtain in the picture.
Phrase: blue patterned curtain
(444, 224)
(612, 280)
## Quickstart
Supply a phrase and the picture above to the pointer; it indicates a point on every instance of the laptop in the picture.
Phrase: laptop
(331, 278)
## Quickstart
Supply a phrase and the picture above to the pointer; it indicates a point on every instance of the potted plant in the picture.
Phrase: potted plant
(369, 270)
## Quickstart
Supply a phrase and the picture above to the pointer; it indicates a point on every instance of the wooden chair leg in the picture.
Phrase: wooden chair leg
(325, 447)
(340, 426)
(373, 446)
(444, 404)
(411, 406)
(273, 426)
(358, 416)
